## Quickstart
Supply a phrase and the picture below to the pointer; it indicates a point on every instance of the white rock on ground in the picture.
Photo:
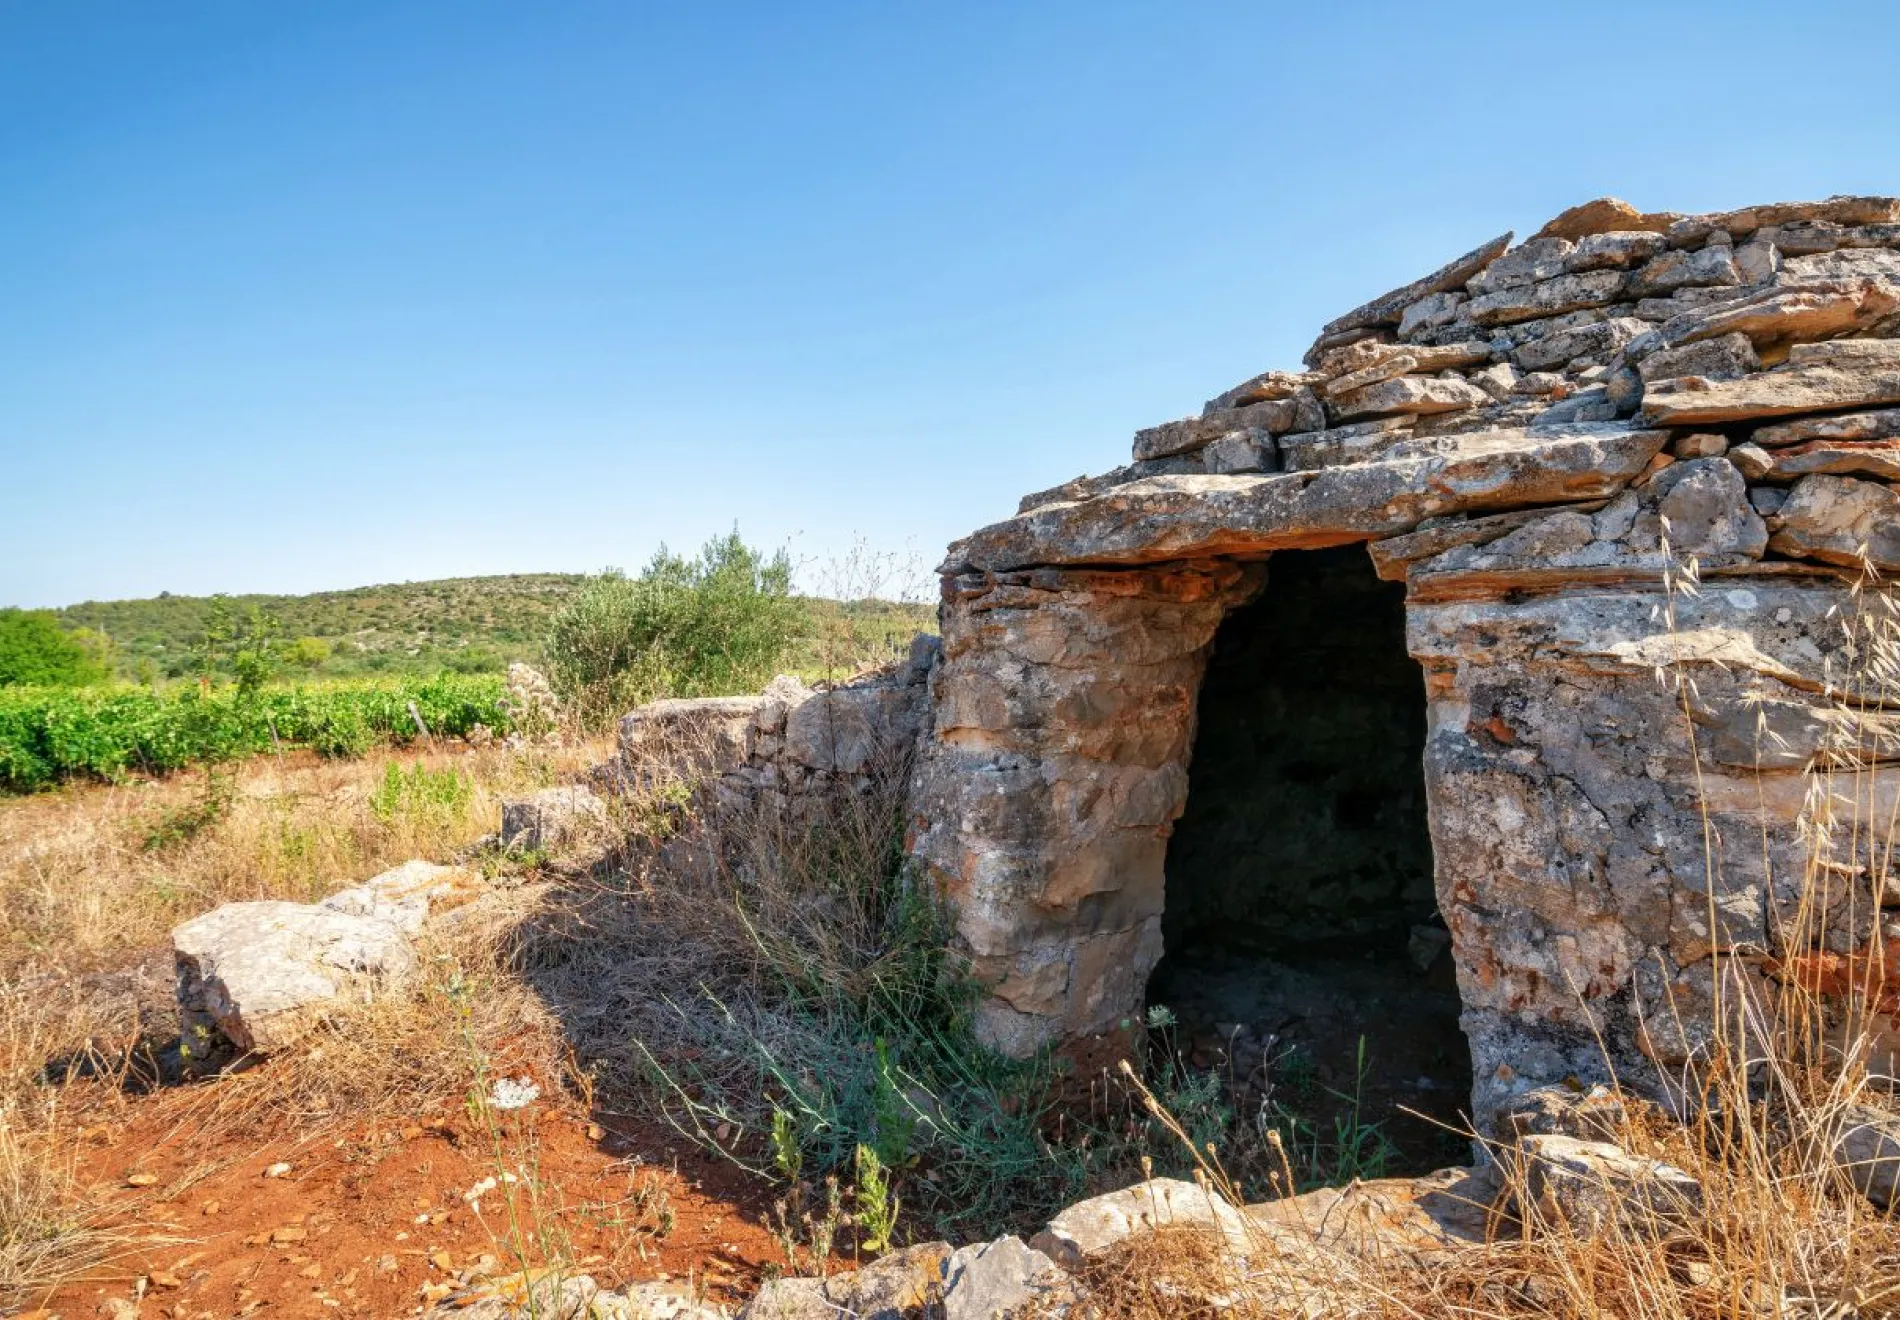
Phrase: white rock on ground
(992, 1279)
(1091, 1227)
(405, 895)
(894, 1286)
(1597, 1188)
(262, 974)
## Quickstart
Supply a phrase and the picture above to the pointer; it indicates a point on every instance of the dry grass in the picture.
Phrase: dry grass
(87, 874)
(92, 879)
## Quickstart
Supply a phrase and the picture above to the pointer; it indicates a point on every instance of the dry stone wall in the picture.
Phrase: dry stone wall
(791, 745)
(1538, 440)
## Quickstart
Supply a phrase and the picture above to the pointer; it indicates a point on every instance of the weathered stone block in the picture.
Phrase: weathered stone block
(264, 974)
(551, 818)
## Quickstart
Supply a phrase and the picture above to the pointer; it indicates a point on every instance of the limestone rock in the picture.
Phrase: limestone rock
(1242, 451)
(1846, 458)
(1390, 1218)
(1600, 340)
(1781, 315)
(1838, 520)
(1499, 381)
(1183, 517)
(1704, 504)
(1592, 1113)
(1698, 401)
(1394, 555)
(1264, 388)
(1751, 460)
(265, 973)
(1396, 364)
(1566, 293)
(1766, 499)
(791, 1299)
(1700, 444)
(406, 896)
(1577, 409)
(1847, 354)
(1428, 314)
(1387, 307)
(993, 1280)
(1091, 1227)
(1602, 216)
(1883, 424)
(1342, 444)
(551, 818)
(536, 1295)
(1597, 1188)
(653, 1301)
(1615, 249)
(1758, 262)
(1837, 210)
(1623, 389)
(1530, 261)
(687, 737)
(896, 1286)
(1274, 415)
(851, 729)
(1858, 263)
(1541, 385)
(1675, 270)
(1729, 357)
(1409, 394)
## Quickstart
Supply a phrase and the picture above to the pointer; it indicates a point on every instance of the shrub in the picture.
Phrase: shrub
(35, 649)
(715, 625)
(307, 652)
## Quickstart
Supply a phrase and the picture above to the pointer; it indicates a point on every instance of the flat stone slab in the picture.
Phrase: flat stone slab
(265, 973)
(1186, 517)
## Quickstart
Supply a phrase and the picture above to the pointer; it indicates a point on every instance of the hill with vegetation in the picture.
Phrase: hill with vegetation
(469, 625)
(463, 625)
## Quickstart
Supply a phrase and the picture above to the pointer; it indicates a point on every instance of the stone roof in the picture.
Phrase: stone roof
(1756, 351)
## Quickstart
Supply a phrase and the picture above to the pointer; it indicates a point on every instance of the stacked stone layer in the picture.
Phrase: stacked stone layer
(1530, 438)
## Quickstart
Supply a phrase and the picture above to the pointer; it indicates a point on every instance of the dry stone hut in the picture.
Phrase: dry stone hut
(1508, 624)
(1381, 638)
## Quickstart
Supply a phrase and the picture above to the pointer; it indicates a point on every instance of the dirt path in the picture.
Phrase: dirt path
(377, 1220)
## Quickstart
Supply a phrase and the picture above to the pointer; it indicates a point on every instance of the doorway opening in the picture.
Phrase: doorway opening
(1305, 958)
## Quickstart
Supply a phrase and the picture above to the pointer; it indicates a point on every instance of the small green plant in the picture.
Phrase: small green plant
(436, 798)
(875, 1205)
(805, 1235)
(788, 1155)
(893, 1120)
(244, 645)
(182, 824)
(1354, 1149)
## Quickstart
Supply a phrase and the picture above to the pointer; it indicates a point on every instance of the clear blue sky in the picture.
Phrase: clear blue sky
(308, 295)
